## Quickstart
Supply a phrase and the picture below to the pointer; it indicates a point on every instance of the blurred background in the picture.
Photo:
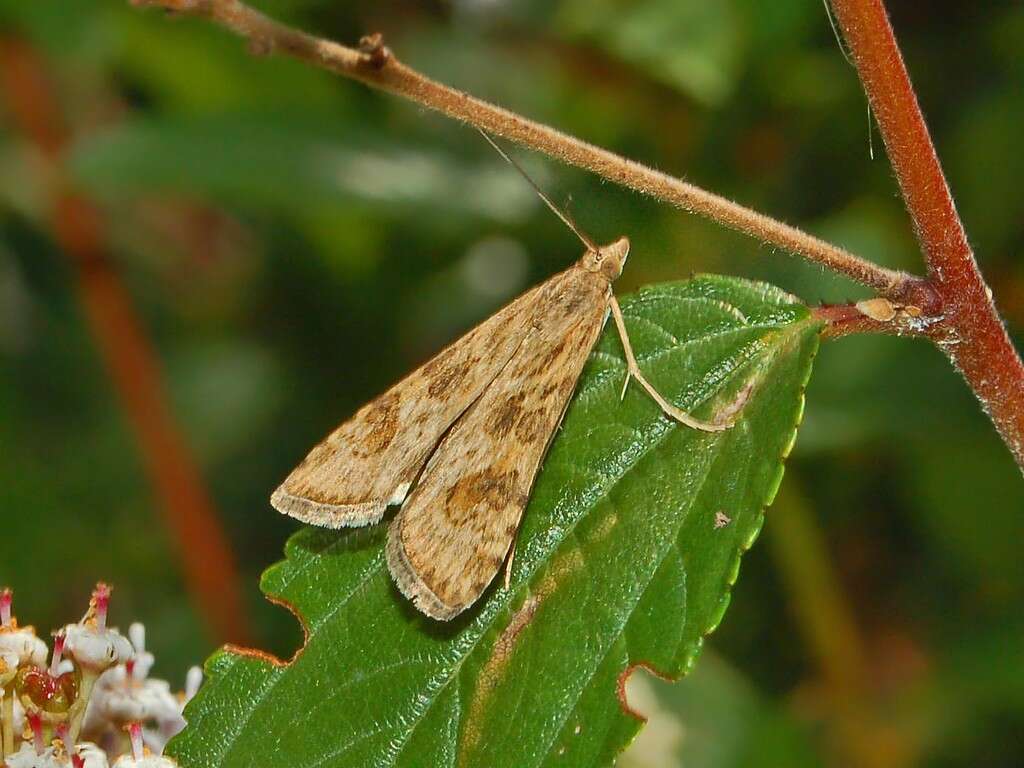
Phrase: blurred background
(208, 259)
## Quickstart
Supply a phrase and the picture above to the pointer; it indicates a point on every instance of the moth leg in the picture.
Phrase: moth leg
(633, 372)
(508, 563)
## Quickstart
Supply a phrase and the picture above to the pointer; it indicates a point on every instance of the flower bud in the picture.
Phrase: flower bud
(40, 691)
(47, 691)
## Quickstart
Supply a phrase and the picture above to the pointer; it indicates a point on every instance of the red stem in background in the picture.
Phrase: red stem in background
(131, 361)
(975, 339)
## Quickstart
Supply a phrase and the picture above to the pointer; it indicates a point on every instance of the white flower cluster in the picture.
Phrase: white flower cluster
(76, 710)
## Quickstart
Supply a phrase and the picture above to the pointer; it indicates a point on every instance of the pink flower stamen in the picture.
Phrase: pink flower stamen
(135, 733)
(6, 597)
(100, 602)
(58, 653)
(35, 722)
(77, 761)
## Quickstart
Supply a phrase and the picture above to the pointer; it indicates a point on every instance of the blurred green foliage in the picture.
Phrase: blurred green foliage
(295, 242)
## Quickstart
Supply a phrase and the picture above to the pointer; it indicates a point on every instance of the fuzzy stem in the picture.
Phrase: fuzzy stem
(845, 320)
(848, 319)
(374, 65)
(978, 344)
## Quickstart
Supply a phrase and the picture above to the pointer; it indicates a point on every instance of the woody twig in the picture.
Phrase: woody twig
(374, 64)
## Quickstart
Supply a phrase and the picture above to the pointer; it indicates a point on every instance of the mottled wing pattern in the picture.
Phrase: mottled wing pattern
(371, 460)
(455, 529)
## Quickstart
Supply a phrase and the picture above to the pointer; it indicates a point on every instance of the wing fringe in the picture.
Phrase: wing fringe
(410, 584)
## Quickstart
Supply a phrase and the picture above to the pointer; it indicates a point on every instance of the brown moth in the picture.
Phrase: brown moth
(466, 433)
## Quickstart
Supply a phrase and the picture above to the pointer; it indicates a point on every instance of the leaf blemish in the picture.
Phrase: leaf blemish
(728, 412)
(519, 622)
(565, 565)
(721, 520)
(491, 672)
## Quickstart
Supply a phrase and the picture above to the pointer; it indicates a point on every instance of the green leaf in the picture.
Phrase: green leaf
(619, 563)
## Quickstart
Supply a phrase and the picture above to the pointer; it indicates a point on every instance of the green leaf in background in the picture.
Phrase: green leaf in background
(289, 165)
(715, 718)
(624, 558)
(691, 45)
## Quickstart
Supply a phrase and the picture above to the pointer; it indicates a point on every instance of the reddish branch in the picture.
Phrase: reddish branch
(976, 340)
(374, 64)
(849, 319)
(130, 359)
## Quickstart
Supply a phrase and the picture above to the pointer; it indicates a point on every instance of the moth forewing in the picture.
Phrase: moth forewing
(454, 531)
(371, 460)
(470, 429)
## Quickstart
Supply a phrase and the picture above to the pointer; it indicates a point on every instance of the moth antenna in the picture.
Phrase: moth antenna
(838, 36)
(563, 215)
(568, 206)
(569, 219)
(567, 209)
(849, 60)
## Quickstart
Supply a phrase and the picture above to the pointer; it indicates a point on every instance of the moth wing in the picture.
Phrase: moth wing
(371, 460)
(455, 529)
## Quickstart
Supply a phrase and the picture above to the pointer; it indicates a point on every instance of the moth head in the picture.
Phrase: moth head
(608, 259)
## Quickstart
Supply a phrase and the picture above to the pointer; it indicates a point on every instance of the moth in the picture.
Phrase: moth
(458, 442)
